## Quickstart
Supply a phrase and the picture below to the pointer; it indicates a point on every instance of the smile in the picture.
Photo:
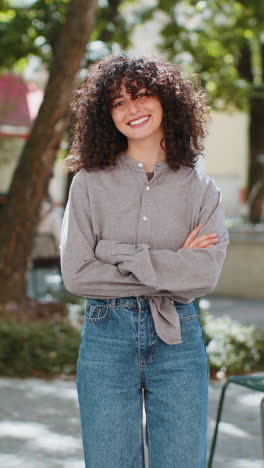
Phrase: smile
(139, 122)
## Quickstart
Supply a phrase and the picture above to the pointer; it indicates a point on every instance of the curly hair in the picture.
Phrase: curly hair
(95, 141)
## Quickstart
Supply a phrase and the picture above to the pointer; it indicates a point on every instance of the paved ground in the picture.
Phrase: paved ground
(39, 420)
(40, 428)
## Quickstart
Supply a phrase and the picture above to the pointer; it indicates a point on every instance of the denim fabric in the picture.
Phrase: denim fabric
(120, 354)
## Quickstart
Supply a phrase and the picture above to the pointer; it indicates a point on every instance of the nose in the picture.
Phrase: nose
(132, 106)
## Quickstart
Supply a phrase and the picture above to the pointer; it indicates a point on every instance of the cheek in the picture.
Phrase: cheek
(119, 124)
(158, 111)
(116, 119)
(113, 116)
(159, 116)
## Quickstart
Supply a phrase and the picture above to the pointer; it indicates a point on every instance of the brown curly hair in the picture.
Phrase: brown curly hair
(95, 141)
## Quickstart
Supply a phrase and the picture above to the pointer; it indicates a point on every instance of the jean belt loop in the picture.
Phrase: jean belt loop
(113, 301)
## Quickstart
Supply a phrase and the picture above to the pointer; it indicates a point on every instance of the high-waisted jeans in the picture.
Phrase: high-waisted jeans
(122, 362)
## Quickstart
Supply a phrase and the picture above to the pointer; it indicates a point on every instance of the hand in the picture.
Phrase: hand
(200, 242)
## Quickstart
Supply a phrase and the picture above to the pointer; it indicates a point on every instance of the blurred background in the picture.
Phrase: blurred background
(46, 49)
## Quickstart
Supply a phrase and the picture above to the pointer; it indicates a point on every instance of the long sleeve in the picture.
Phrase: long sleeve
(83, 274)
(184, 272)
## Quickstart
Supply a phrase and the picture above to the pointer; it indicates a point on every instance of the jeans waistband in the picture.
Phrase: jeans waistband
(133, 300)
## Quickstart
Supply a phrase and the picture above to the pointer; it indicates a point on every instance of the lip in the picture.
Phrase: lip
(140, 124)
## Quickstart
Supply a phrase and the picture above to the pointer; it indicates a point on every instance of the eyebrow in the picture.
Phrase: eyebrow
(117, 97)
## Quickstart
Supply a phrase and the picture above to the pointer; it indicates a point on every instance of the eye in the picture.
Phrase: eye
(117, 104)
(141, 95)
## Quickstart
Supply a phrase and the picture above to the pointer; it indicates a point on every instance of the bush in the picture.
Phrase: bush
(40, 348)
(49, 348)
(232, 347)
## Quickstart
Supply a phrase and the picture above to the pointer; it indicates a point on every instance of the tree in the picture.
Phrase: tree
(31, 29)
(19, 217)
(223, 41)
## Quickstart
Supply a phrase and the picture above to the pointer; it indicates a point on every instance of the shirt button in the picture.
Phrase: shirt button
(140, 164)
(147, 187)
(144, 218)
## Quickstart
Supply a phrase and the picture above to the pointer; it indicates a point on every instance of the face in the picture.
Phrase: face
(138, 118)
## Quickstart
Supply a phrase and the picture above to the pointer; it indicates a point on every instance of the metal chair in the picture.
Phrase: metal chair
(254, 382)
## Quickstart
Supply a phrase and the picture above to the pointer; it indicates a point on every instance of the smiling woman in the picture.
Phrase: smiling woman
(143, 234)
(117, 92)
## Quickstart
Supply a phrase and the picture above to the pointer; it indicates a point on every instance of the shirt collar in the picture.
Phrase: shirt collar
(139, 165)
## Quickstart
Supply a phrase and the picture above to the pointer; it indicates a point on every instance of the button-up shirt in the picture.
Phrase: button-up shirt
(122, 235)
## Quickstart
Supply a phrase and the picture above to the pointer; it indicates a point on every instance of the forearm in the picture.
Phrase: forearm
(188, 273)
(84, 274)
(184, 272)
(92, 278)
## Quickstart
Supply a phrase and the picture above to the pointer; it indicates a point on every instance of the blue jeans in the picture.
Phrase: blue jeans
(120, 354)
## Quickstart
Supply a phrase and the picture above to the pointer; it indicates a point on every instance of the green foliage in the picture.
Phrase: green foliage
(41, 348)
(32, 29)
(46, 349)
(232, 346)
(222, 41)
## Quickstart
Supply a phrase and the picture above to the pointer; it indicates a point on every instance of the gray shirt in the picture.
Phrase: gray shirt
(122, 235)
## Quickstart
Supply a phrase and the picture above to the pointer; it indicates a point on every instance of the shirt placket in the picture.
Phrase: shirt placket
(144, 225)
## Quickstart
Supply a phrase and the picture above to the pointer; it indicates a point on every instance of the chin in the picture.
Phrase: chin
(140, 135)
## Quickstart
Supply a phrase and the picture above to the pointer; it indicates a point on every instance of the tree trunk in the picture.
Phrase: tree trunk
(256, 166)
(20, 215)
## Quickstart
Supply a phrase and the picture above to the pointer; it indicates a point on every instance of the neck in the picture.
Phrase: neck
(148, 152)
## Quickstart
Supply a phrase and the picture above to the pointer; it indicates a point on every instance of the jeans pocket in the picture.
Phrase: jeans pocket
(96, 313)
(186, 312)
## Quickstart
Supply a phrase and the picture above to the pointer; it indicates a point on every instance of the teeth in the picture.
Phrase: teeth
(139, 121)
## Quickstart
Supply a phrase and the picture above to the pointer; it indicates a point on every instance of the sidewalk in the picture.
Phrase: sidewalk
(39, 420)
(39, 425)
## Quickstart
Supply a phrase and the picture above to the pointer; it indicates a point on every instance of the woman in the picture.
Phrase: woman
(143, 234)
